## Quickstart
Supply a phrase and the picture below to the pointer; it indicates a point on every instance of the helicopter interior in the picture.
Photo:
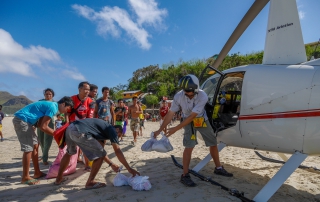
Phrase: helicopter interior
(224, 97)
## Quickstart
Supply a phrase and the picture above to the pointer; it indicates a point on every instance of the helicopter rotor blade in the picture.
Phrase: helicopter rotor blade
(254, 10)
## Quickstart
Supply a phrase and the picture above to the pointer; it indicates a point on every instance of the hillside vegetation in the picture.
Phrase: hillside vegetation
(11, 104)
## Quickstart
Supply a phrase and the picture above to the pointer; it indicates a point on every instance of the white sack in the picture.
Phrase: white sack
(139, 183)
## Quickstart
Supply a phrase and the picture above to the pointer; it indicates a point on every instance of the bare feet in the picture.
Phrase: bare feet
(95, 185)
(40, 175)
(60, 181)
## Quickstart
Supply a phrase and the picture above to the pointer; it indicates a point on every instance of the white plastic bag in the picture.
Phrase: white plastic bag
(147, 146)
(120, 179)
(139, 183)
(162, 145)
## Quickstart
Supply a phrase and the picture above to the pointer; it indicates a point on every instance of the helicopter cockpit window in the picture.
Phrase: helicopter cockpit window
(210, 87)
(227, 106)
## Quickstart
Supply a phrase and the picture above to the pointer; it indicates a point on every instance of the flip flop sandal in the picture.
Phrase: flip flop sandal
(30, 182)
(62, 182)
(96, 186)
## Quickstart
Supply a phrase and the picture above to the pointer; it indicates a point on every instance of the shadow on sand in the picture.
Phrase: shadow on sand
(243, 180)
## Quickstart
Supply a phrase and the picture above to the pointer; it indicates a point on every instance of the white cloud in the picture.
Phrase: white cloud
(112, 20)
(73, 74)
(148, 12)
(301, 15)
(17, 59)
(300, 11)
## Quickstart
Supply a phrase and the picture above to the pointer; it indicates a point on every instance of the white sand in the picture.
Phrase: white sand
(250, 175)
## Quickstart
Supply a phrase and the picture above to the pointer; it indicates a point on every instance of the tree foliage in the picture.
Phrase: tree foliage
(313, 51)
(152, 100)
(141, 78)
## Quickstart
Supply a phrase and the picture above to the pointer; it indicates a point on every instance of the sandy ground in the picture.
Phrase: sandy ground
(250, 175)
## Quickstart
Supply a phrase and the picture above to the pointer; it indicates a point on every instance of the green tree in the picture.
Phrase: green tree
(312, 51)
(141, 77)
(163, 90)
(152, 100)
(118, 95)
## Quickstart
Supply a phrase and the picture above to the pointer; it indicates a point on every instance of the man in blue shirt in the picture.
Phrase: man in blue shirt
(40, 113)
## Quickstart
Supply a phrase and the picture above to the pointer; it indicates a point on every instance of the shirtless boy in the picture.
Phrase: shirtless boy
(134, 111)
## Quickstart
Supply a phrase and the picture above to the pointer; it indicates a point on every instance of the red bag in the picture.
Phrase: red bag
(58, 135)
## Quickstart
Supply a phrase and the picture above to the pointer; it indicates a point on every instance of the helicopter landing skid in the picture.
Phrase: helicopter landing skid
(232, 191)
(283, 162)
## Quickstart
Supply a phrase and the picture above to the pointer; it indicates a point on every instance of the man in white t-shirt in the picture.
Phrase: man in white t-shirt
(191, 101)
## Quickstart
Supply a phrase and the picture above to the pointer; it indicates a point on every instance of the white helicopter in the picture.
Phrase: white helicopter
(274, 106)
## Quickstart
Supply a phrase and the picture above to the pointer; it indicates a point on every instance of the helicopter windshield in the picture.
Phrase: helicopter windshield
(210, 86)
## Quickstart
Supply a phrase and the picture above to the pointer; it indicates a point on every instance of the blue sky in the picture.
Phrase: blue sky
(57, 44)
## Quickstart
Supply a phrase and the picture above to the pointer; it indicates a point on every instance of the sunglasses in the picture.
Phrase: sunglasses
(188, 91)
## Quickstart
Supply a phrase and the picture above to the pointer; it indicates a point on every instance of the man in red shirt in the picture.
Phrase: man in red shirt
(163, 112)
(83, 108)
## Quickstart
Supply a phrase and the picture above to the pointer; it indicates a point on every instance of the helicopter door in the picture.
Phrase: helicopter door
(224, 96)
(209, 80)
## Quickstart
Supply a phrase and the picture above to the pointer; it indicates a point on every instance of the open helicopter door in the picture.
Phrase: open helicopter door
(224, 96)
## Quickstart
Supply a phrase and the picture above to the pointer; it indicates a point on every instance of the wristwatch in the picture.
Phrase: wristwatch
(110, 164)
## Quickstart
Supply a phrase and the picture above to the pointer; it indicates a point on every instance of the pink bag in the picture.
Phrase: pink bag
(54, 168)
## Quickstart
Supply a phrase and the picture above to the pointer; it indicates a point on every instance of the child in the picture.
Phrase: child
(58, 121)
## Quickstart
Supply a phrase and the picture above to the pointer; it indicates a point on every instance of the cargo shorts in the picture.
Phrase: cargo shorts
(190, 138)
(89, 146)
(26, 134)
(134, 124)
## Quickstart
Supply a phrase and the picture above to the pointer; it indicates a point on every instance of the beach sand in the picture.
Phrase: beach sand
(250, 174)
